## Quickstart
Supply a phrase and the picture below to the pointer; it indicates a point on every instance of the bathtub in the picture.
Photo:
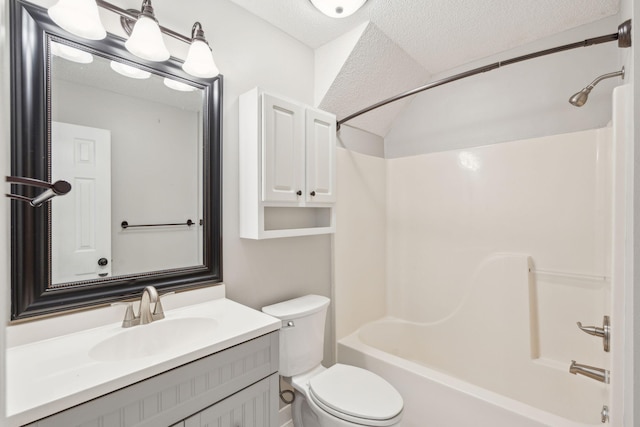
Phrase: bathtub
(495, 360)
(446, 393)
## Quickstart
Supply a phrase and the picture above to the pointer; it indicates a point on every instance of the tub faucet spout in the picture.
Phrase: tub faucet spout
(599, 374)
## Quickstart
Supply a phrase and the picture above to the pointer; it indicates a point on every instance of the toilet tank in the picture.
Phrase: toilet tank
(302, 332)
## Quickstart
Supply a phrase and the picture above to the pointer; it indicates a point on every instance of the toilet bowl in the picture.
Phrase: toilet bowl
(338, 396)
(345, 395)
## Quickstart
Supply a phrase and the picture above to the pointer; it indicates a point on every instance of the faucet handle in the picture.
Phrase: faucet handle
(130, 318)
(603, 332)
(158, 311)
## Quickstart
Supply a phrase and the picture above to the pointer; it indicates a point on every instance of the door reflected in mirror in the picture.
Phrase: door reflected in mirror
(130, 142)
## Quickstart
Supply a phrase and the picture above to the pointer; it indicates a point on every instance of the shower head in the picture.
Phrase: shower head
(580, 98)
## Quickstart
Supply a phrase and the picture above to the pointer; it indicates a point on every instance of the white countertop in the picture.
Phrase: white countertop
(47, 376)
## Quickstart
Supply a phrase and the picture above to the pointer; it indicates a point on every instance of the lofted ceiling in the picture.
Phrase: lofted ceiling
(407, 41)
(403, 43)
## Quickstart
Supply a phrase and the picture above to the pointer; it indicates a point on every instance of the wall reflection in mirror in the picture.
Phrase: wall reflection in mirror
(130, 142)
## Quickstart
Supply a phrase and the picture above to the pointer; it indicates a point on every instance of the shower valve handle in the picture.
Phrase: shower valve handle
(604, 332)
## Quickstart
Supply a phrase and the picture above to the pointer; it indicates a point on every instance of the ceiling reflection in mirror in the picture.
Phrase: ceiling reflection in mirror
(130, 142)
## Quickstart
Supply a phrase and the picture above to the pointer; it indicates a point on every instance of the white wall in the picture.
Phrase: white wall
(5, 290)
(524, 100)
(630, 9)
(630, 59)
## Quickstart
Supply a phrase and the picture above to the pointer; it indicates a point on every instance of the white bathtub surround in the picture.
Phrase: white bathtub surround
(360, 241)
(492, 342)
(82, 373)
(492, 256)
(546, 197)
(434, 396)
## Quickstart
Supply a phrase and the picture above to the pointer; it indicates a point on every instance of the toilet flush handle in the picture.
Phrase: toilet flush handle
(288, 324)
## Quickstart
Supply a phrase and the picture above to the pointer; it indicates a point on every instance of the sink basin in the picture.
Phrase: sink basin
(154, 338)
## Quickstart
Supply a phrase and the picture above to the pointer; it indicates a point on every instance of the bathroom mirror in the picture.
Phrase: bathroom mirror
(140, 144)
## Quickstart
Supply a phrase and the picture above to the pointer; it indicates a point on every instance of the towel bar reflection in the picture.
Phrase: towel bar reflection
(125, 224)
(58, 188)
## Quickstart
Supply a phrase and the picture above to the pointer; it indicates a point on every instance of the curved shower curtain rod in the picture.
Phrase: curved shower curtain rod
(623, 36)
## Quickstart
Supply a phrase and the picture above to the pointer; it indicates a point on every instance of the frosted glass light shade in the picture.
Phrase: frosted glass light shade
(71, 53)
(338, 8)
(129, 71)
(79, 17)
(146, 40)
(199, 61)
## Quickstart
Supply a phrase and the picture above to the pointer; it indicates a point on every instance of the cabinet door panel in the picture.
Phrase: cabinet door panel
(251, 407)
(321, 156)
(283, 150)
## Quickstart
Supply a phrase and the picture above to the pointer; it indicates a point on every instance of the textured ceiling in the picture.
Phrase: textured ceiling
(408, 41)
(389, 71)
(438, 34)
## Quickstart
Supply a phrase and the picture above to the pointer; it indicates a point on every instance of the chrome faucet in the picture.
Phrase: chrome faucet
(145, 315)
(599, 374)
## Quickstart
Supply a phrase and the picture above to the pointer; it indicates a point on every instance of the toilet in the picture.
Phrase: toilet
(339, 396)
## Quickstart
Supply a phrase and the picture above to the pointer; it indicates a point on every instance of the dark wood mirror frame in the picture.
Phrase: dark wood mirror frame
(30, 157)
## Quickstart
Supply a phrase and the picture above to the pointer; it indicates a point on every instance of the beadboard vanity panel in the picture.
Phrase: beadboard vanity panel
(251, 407)
(247, 371)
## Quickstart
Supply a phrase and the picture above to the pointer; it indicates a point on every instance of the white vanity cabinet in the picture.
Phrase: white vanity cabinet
(237, 387)
(287, 167)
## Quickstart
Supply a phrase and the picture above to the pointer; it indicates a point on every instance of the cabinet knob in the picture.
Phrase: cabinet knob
(299, 192)
(313, 193)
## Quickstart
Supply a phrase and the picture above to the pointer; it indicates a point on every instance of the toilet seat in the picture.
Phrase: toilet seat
(356, 395)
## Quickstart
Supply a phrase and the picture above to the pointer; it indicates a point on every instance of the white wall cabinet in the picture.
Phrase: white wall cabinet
(287, 167)
(238, 386)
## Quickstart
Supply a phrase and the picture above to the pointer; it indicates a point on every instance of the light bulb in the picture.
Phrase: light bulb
(79, 17)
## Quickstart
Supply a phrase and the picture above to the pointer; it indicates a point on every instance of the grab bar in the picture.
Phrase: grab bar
(58, 188)
(573, 276)
(125, 224)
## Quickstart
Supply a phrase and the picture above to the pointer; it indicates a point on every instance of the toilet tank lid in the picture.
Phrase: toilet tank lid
(297, 307)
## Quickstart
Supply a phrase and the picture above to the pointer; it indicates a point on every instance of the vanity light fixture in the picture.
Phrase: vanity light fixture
(129, 71)
(145, 34)
(176, 85)
(338, 8)
(145, 40)
(71, 53)
(199, 61)
(79, 17)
